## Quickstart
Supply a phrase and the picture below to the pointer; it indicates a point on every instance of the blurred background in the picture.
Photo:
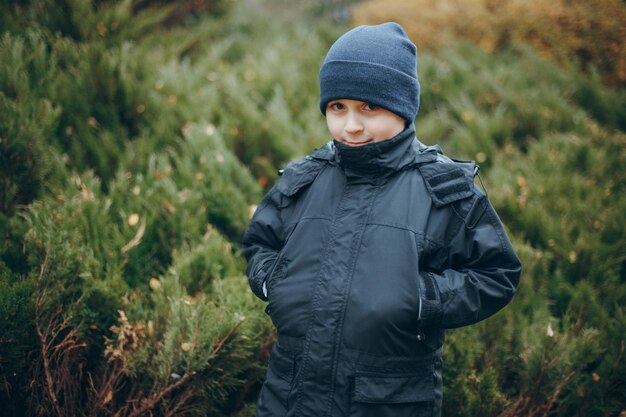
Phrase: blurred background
(136, 136)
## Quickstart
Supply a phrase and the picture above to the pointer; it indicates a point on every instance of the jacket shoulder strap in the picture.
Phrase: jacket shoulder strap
(448, 181)
(303, 172)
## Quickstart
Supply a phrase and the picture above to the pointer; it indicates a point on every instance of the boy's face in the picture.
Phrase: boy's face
(356, 123)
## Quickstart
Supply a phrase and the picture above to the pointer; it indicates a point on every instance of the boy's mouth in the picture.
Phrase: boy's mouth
(357, 143)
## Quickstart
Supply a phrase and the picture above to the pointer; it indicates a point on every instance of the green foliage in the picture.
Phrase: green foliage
(27, 165)
(206, 262)
(170, 203)
(18, 334)
(475, 104)
(585, 236)
(75, 264)
(12, 256)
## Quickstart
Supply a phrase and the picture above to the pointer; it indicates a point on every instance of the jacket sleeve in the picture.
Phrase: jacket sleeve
(480, 271)
(267, 232)
(263, 241)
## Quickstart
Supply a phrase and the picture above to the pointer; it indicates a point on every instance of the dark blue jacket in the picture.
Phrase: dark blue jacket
(367, 255)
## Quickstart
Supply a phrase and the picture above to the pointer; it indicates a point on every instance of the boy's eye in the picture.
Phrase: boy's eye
(371, 107)
(336, 106)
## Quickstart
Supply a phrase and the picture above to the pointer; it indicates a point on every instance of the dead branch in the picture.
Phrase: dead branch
(49, 383)
(523, 406)
(557, 392)
(111, 383)
(181, 406)
(158, 397)
(250, 379)
(57, 342)
(217, 347)
(136, 240)
(151, 403)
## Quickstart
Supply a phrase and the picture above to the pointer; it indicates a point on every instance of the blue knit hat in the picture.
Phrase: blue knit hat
(375, 64)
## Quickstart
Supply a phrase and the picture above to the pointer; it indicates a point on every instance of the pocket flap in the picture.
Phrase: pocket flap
(393, 389)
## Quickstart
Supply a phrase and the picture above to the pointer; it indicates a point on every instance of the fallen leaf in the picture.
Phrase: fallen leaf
(133, 219)
(155, 284)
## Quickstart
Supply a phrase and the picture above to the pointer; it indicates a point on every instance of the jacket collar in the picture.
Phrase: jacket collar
(378, 159)
(381, 158)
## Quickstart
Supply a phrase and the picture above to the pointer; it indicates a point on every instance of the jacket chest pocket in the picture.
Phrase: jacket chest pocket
(377, 395)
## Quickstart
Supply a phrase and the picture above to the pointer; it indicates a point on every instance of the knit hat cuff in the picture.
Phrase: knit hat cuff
(372, 83)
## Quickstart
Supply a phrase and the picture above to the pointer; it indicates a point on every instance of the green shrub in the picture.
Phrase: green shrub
(582, 223)
(475, 104)
(181, 193)
(168, 336)
(83, 250)
(28, 167)
(17, 338)
(524, 360)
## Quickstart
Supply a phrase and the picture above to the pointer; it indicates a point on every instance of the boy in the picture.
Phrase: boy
(370, 247)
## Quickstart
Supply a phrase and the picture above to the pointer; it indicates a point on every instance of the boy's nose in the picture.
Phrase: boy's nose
(353, 124)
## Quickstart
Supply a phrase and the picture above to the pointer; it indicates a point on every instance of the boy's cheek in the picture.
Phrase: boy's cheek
(332, 128)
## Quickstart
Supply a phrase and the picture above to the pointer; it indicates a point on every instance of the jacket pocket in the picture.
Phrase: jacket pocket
(377, 395)
(278, 272)
(274, 394)
(282, 364)
(280, 264)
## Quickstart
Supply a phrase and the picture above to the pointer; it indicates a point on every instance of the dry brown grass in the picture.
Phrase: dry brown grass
(589, 33)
